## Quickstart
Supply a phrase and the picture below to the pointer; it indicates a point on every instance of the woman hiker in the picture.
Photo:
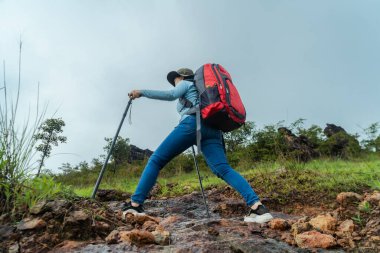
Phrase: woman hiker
(181, 138)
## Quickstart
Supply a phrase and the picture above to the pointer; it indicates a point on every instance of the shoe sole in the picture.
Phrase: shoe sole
(259, 218)
(134, 212)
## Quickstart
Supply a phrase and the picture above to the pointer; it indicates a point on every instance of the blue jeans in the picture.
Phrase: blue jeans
(181, 138)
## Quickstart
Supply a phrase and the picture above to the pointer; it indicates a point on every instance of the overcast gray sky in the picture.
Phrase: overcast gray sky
(317, 60)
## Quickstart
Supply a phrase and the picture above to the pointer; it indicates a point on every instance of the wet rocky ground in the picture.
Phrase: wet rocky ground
(181, 225)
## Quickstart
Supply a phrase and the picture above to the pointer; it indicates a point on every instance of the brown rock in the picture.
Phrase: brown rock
(213, 231)
(53, 225)
(127, 227)
(77, 225)
(346, 226)
(58, 206)
(357, 238)
(113, 237)
(149, 225)
(67, 246)
(76, 217)
(346, 243)
(348, 198)
(288, 238)
(14, 248)
(325, 223)
(299, 227)
(28, 243)
(137, 237)
(48, 239)
(27, 224)
(279, 224)
(372, 227)
(47, 216)
(171, 220)
(337, 213)
(139, 218)
(303, 219)
(79, 215)
(161, 237)
(4, 218)
(314, 239)
(6, 232)
(102, 226)
(291, 222)
(160, 228)
(38, 208)
(373, 198)
(274, 234)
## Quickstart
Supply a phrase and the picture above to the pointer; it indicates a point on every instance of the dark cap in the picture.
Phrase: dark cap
(185, 72)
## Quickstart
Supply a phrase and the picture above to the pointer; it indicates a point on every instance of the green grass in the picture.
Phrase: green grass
(331, 174)
(281, 182)
(189, 181)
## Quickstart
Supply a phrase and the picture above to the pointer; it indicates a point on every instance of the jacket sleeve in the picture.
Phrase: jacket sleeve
(168, 95)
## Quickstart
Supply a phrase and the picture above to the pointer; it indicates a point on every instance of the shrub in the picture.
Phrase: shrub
(341, 145)
(28, 193)
(17, 189)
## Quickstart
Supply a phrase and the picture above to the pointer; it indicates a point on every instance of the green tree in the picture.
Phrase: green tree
(96, 163)
(267, 144)
(377, 144)
(121, 151)
(314, 134)
(84, 167)
(66, 168)
(341, 145)
(49, 136)
(240, 137)
(372, 141)
(297, 125)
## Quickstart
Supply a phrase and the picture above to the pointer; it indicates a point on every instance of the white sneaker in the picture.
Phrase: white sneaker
(128, 208)
(260, 215)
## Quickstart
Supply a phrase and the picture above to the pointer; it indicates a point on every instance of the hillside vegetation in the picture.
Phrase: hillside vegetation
(281, 163)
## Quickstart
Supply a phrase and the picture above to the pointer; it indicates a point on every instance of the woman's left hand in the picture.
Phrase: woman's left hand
(134, 94)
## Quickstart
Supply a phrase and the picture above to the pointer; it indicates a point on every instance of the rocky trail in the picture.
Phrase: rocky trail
(180, 225)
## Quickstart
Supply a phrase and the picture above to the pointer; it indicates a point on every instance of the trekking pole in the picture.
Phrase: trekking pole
(110, 151)
(200, 182)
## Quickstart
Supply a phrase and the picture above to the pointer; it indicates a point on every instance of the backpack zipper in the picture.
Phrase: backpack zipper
(222, 82)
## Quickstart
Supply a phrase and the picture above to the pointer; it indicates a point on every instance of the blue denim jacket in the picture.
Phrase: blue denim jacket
(185, 89)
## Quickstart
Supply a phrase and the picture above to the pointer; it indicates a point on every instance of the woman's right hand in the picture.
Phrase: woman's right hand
(134, 94)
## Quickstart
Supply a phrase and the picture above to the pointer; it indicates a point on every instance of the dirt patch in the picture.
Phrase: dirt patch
(177, 224)
(354, 225)
(50, 223)
(111, 195)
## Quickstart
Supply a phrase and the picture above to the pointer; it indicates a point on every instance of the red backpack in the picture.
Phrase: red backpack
(220, 103)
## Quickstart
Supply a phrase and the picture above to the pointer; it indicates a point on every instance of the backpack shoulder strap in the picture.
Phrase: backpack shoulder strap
(185, 102)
